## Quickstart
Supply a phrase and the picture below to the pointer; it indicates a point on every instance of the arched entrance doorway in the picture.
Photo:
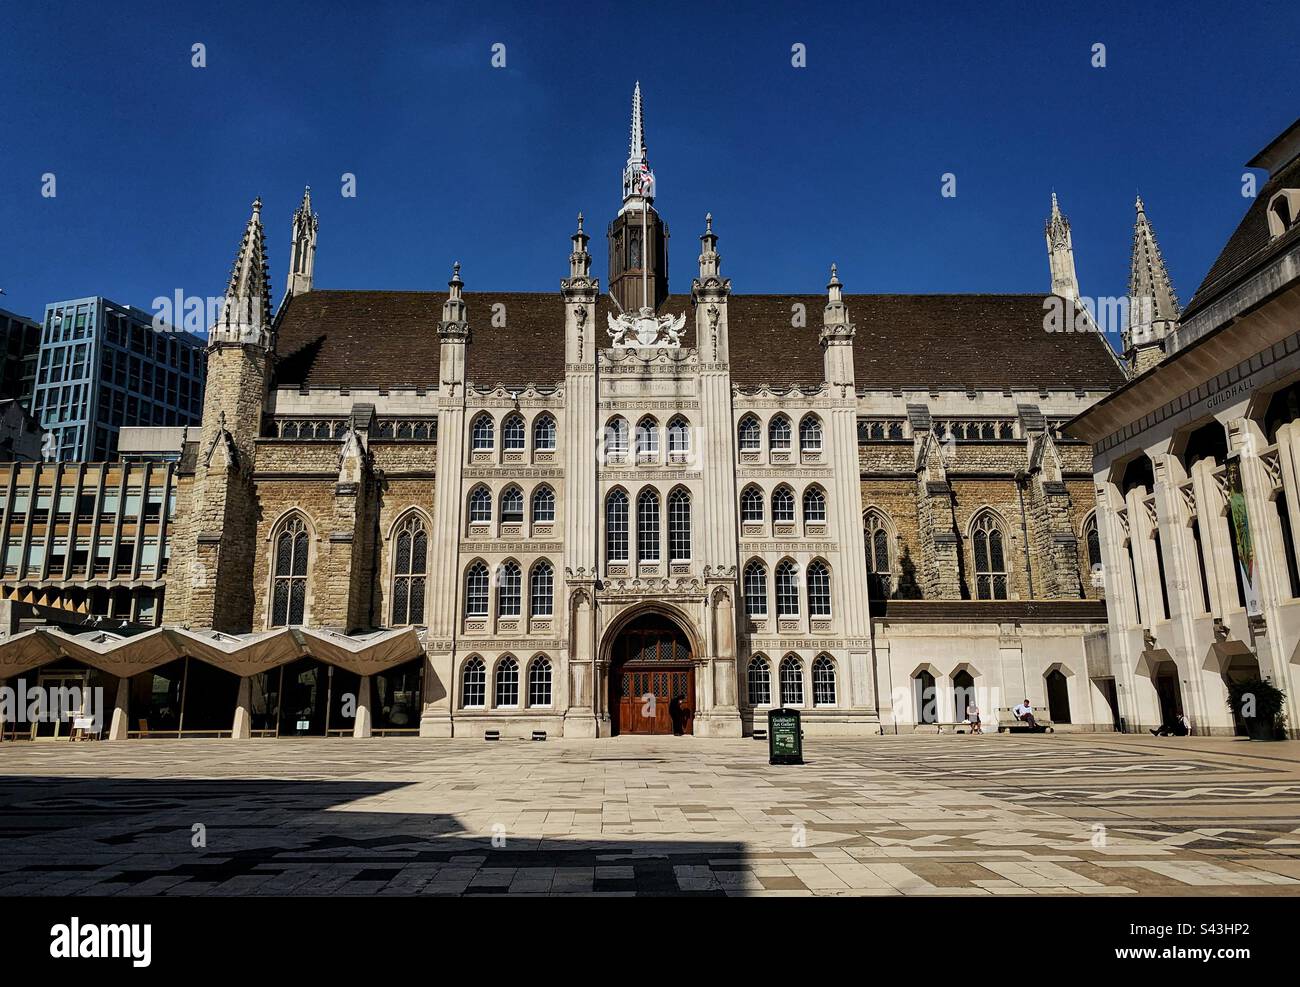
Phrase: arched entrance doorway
(1239, 668)
(963, 692)
(1168, 692)
(1058, 696)
(651, 678)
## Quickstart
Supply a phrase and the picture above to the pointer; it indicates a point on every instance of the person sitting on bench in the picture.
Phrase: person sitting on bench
(973, 715)
(1025, 714)
(1179, 728)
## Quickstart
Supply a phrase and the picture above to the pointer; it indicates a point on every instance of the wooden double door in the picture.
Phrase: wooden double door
(652, 679)
(655, 699)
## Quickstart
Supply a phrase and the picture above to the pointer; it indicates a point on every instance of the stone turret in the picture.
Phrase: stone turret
(302, 252)
(1153, 305)
(1060, 253)
(215, 542)
(837, 339)
(711, 292)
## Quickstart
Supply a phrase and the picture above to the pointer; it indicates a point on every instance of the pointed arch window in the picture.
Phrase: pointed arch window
(616, 526)
(1092, 545)
(480, 505)
(508, 589)
(810, 434)
(749, 434)
(875, 532)
(791, 674)
(410, 565)
(679, 437)
(482, 433)
(990, 558)
(512, 505)
(819, 590)
(782, 504)
(513, 433)
(541, 590)
(787, 589)
(823, 681)
(473, 684)
(679, 526)
(760, 682)
(751, 504)
(778, 434)
(647, 526)
(544, 434)
(647, 439)
(756, 589)
(507, 682)
(814, 506)
(543, 505)
(289, 593)
(539, 682)
(616, 437)
(476, 590)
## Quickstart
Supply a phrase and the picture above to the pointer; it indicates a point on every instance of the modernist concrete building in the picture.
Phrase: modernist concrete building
(592, 512)
(1198, 471)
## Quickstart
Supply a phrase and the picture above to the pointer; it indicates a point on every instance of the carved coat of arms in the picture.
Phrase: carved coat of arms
(644, 329)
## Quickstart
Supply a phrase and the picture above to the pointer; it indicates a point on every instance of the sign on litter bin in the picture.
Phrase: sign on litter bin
(784, 737)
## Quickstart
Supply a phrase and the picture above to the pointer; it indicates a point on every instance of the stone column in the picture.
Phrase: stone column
(242, 729)
(118, 725)
(362, 724)
(580, 719)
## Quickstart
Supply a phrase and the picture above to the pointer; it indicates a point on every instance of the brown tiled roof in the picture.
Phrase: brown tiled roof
(1250, 247)
(389, 339)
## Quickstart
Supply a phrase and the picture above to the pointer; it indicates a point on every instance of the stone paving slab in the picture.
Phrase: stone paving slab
(1054, 814)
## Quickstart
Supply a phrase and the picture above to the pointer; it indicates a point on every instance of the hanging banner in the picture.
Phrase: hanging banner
(1247, 564)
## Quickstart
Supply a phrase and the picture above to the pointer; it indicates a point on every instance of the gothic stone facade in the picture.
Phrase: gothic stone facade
(556, 504)
(833, 501)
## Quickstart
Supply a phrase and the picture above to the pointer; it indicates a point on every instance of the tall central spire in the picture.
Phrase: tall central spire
(638, 238)
(636, 147)
(638, 180)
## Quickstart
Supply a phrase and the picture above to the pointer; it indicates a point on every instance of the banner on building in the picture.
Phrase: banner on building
(1247, 563)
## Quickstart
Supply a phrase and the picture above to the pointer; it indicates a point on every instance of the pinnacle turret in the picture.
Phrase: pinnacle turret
(302, 251)
(1060, 253)
(246, 312)
(1153, 304)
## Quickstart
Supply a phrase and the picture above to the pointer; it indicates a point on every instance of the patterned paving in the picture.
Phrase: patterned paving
(994, 815)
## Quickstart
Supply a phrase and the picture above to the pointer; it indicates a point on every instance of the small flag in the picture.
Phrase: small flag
(647, 180)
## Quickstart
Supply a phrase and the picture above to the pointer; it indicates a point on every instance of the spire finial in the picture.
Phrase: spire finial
(708, 222)
(835, 275)
(580, 222)
(257, 206)
(1138, 204)
(455, 273)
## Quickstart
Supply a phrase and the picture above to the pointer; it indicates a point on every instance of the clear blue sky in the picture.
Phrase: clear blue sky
(157, 162)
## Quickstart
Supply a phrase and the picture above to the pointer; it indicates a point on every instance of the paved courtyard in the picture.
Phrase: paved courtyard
(993, 815)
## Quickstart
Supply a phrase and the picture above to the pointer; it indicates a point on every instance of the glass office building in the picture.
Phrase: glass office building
(20, 346)
(104, 365)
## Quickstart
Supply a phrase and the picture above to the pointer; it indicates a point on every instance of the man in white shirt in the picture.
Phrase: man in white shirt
(1025, 714)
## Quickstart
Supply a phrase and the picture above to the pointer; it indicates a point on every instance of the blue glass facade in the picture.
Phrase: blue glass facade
(104, 365)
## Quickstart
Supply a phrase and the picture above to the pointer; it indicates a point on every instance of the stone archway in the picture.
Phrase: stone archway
(651, 655)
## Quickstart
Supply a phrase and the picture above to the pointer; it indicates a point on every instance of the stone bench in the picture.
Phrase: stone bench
(1008, 723)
